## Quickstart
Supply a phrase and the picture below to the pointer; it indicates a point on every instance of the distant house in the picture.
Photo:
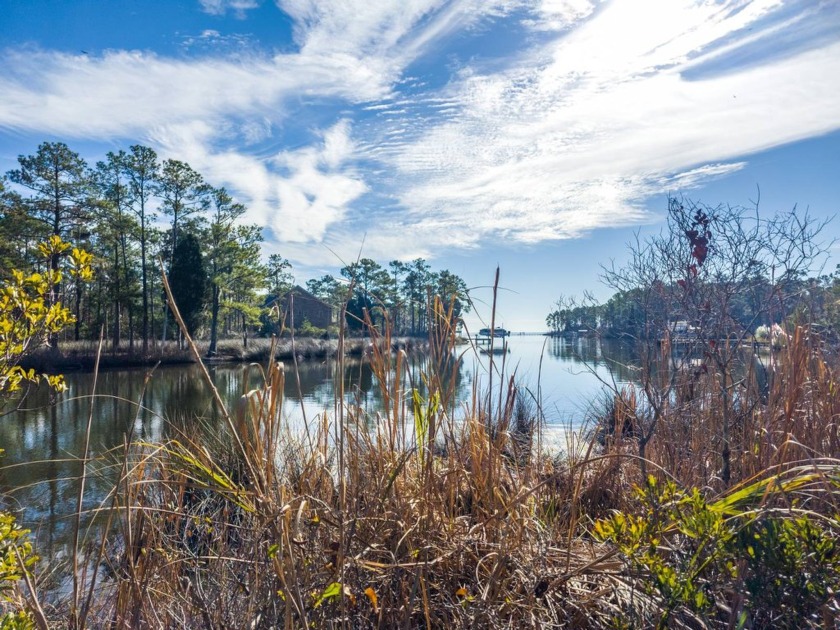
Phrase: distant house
(678, 327)
(683, 330)
(299, 305)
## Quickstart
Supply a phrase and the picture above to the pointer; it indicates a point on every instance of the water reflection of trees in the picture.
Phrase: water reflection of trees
(618, 357)
(363, 388)
(44, 443)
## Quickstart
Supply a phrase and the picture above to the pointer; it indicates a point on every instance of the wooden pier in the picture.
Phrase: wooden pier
(496, 345)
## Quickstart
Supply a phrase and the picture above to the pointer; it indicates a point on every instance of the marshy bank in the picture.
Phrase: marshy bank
(81, 355)
(403, 516)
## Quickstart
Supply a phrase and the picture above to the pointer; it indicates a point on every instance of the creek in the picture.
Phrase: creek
(44, 442)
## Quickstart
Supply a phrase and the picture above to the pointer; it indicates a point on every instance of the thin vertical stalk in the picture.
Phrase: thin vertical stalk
(78, 618)
(489, 420)
(207, 378)
(297, 367)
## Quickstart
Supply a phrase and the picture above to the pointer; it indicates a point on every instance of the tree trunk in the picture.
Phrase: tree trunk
(145, 286)
(116, 338)
(214, 321)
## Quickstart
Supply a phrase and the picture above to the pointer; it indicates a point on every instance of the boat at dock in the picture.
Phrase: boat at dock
(492, 341)
(498, 333)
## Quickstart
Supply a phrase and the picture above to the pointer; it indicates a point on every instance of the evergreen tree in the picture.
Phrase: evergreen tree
(116, 227)
(142, 171)
(396, 302)
(232, 257)
(328, 289)
(452, 289)
(280, 278)
(58, 180)
(247, 280)
(18, 232)
(371, 284)
(188, 281)
(415, 289)
(183, 193)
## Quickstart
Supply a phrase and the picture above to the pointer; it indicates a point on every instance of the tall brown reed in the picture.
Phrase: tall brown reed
(371, 521)
(425, 513)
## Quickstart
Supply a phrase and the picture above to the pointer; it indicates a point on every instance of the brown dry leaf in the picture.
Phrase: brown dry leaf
(374, 600)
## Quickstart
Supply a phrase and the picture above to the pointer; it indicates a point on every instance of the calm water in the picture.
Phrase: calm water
(42, 442)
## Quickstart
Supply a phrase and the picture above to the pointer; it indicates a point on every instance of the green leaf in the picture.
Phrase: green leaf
(332, 591)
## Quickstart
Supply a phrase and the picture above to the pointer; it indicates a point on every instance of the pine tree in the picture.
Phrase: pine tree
(188, 281)
(142, 171)
(59, 183)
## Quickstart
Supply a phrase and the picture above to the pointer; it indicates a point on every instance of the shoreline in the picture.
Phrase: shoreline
(81, 356)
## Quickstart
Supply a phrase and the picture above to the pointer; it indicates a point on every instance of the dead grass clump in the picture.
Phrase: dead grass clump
(405, 519)
(427, 515)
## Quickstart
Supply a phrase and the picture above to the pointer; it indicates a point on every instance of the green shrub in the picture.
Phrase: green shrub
(769, 567)
(306, 329)
(15, 557)
(29, 315)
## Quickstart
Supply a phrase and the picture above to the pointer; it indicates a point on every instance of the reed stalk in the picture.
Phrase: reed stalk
(378, 520)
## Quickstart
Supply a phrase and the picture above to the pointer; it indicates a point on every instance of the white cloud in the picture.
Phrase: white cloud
(577, 134)
(199, 109)
(212, 42)
(697, 176)
(220, 7)
(600, 105)
(298, 194)
(398, 29)
(123, 94)
(556, 15)
(318, 190)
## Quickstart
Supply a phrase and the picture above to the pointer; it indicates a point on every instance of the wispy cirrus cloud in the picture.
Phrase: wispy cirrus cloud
(211, 109)
(578, 132)
(213, 42)
(127, 93)
(556, 15)
(392, 28)
(582, 111)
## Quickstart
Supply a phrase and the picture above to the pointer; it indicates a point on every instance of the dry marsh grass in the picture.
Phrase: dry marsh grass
(410, 519)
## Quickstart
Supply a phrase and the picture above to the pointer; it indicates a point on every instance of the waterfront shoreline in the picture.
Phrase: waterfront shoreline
(81, 356)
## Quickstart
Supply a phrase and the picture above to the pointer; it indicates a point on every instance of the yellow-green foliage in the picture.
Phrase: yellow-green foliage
(19, 620)
(15, 557)
(786, 562)
(28, 315)
(14, 544)
(646, 539)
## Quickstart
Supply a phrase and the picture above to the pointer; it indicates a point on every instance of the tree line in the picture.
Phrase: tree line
(400, 293)
(630, 314)
(720, 270)
(135, 212)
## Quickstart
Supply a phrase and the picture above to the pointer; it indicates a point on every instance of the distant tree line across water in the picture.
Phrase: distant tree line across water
(219, 276)
(713, 272)
(628, 314)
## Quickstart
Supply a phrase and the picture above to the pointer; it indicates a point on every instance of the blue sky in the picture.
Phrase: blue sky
(537, 135)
